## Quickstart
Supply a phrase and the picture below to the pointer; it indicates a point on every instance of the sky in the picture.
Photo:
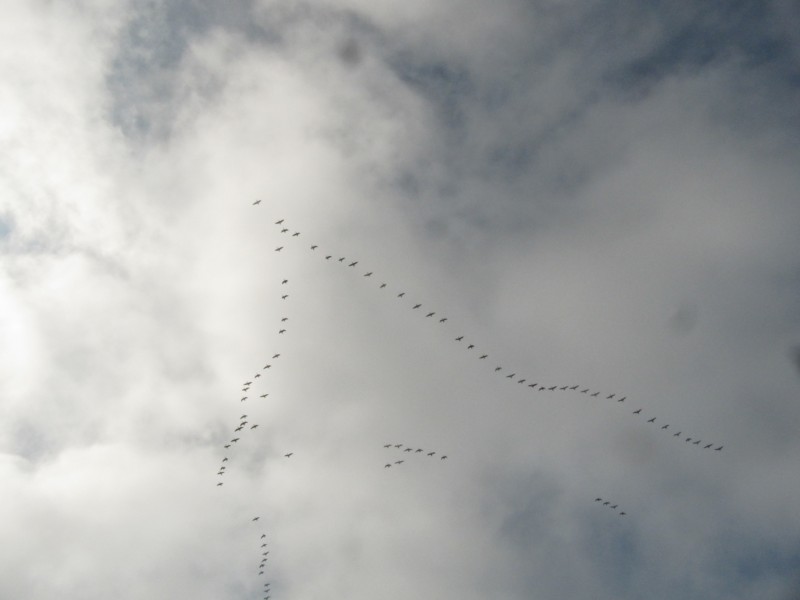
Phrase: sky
(592, 194)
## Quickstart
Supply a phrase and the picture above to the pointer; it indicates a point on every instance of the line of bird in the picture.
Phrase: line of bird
(243, 423)
(262, 565)
(612, 506)
(519, 379)
(412, 450)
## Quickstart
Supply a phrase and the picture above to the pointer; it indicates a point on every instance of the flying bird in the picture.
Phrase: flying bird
(431, 453)
(256, 518)
(707, 447)
(254, 426)
(443, 319)
(314, 247)
(283, 320)
(606, 503)
(234, 440)
(401, 294)
(282, 331)
(430, 314)
(341, 259)
(256, 202)
(383, 285)
(637, 411)
(574, 387)
(416, 306)
(288, 455)
(276, 355)
(328, 257)
(595, 394)
(677, 434)
(718, 449)
(284, 297)
(264, 395)
(483, 356)
(219, 484)
(225, 459)
(459, 338)
(279, 222)
(470, 347)
(522, 381)
(353, 264)
(368, 274)
(598, 499)
(284, 230)
(387, 466)
(622, 399)
(609, 397)
(279, 248)
(285, 281)
(652, 420)
(497, 368)
(295, 234)
(387, 445)
(664, 426)
(443, 457)
(259, 374)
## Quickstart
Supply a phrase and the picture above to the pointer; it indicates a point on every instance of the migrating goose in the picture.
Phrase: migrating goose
(353, 264)
(368, 274)
(595, 394)
(430, 314)
(652, 420)
(637, 411)
(288, 455)
(314, 247)
(622, 399)
(416, 306)
(256, 202)
(664, 426)
(459, 338)
(279, 222)
(470, 347)
(718, 449)
(284, 230)
(483, 356)
(295, 234)
(443, 319)
(264, 395)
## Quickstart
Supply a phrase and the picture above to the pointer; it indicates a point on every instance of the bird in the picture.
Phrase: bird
(443, 319)
(256, 518)
(677, 434)
(279, 248)
(664, 426)
(718, 449)
(279, 222)
(606, 503)
(383, 285)
(284, 319)
(284, 297)
(609, 397)
(522, 381)
(399, 462)
(264, 395)
(284, 230)
(652, 420)
(622, 514)
(284, 282)
(263, 535)
(353, 264)
(401, 294)
(227, 445)
(497, 369)
(276, 355)
(470, 347)
(697, 442)
(368, 274)
(288, 455)
(614, 505)
(295, 234)
(314, 247)
(431, 453)
(407, 450)
(598, 499)
(328, 257)
(398, 445)
(574, 387)
(622, 399)
(341, 259)
(219, 484)
(551, 388)
(595, 394)
(707, 447)
(243, 399)
(387, 466)
(459, 338)
(387, 445)
(259, 374)
(225, 459)
(254, 426)
(238, 429)
(688, 439)
(265, 367)
(483, 356)
(443, 457)
(418, 450)
(430, 314)
(584, 391)
(416, 306)
(532, 385)
(510, 376)
(256, 202)
(234, 440)
(282, 331)
(637, 411)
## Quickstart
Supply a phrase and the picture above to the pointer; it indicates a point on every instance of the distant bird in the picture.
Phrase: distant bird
(622, 514)
(284, 282)
(574, 387)
(256, 518)
(532, 385)
(284, 297)
(664, 426)
(443, 319)
(387, 445)
(609, 397)
(279, 222)
(595, 394)
(459, 338)
(295, 234)
(341, 259)
(688, 439)
(288, 455)
(225, 459)
(418, 450)
(263, 535)
(416, 306)
(264, 395)
(606, 503)
(430, 314)
(652, 420)
(431, 453)
(256, 202)
(368, 274)
(387, 466)
(254, 426)
(276, 355)
(238, 429)
(407, 450)
(282, 331)
(622, 399)
(614, 505)
(707, 447)
(470, 347)
(497, 368)
(234, 440)
(266, 367)
(401, 294)
(677, 434)
(243, 399)
(383, 285)
(247, 382)
(227, 445)
(399, 462)
(696, 443)
(314, 247)
(443, 457)
(284, 230)
(483, 356)
(398, 445)
(718, 449)
(584, 391)
(263, 545)
(550, 389)
(353, 264)
(598, 499)
(510, 376)
(522, 381)
(219, 484)
(562, 388)
(328, 257)
(283, 320)
(637, 411)
(259, 374)
(243, 417)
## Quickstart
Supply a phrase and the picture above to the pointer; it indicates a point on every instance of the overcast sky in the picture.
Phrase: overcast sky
(600, 194)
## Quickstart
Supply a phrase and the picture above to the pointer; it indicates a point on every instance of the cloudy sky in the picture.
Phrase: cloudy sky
(593, 194)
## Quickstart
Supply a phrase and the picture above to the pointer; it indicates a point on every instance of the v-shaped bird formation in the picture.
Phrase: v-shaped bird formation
(404, 454)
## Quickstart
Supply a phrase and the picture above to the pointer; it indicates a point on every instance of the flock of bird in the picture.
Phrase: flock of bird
(243, 425)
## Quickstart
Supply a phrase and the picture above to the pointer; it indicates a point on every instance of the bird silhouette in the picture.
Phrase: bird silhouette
(652, 420)
(288, 455)
(353, 264)
(637, 411)
(314, 247)
(278, 222)
(256, 202)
